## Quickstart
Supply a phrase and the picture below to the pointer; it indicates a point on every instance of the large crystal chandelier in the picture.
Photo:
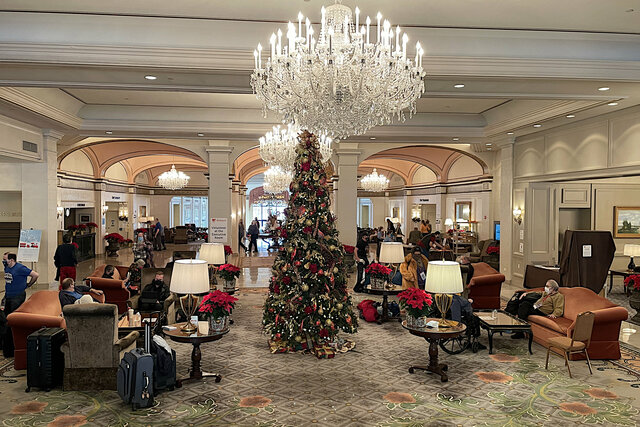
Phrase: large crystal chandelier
(374, 182)
(278, 147)
(276, 180)
(339, 83)
(173, 180)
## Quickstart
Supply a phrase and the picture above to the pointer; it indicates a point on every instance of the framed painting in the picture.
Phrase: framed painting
(85, 218)
(626, 222)
(143, 211)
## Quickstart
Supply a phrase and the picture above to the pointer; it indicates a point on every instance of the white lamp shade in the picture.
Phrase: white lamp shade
(213, 253)
(392, 253)
(443, 277)
(448, 222)
(190, 276)
(632, 250)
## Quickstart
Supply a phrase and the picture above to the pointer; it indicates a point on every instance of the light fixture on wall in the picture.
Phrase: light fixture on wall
(105, 208)
(517, 215)
(67, 212)
(59, 211)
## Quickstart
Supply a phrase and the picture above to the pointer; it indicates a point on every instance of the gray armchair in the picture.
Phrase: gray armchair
(482, 250)
(148, 275)
(93, 351)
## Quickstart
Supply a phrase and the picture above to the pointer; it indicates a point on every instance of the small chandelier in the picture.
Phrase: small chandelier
(276, 180)
(337, 82)
(374, 182)
(278, 147)
(173, 180)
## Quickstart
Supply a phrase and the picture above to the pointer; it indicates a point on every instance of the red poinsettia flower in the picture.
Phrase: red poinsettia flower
(349, 249)
(91, 225)
(308, 310)
(229, 271)
(286, 280)
(306, 166)
(313, 268)
(217, 304)
(416, 301)
(227, 249)
(75, 245)
(114, 237)
(306, 230)
(633, 281)
(378, 271)
(491, 250)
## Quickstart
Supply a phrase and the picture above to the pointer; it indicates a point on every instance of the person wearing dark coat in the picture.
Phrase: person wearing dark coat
(65, 259)
(71, 292)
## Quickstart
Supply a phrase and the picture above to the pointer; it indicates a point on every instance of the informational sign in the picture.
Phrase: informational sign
(218, 230)
(29, 245)
(586, 251)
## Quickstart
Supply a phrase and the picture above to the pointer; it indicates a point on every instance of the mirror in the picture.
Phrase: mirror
(463, 211)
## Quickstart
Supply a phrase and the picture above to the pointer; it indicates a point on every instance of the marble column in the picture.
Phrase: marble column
(39, 202)
(505, 211)
(219, 153)
(346, 195)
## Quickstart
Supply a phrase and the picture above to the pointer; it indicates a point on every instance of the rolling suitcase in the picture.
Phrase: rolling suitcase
(45, 361)
(135, 378)
(164, 364)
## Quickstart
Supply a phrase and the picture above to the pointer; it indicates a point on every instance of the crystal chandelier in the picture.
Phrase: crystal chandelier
(374, 182)
(173, 180)
(276, 180)
(278, 147)
(339, 83)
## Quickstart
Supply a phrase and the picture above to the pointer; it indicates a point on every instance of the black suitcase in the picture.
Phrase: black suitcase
(45, 361)
(135, 378)
(164, 370)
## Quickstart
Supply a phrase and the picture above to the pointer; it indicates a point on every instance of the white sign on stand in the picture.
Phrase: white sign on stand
(218, 230)
(29, 245)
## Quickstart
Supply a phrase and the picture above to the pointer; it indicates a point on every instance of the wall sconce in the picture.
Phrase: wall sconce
(105, 208)
(59, 211)
(67, 212)
(517, 215)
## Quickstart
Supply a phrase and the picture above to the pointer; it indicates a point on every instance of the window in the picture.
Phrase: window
(189, 210)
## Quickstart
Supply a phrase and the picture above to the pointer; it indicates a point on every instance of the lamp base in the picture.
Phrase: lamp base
(443, 302)
(447, 323)
(632, 265)
(189, 303)
(189, 328)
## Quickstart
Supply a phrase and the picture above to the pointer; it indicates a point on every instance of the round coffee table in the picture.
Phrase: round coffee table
(392, 290)
(433, 335)
(196, 338)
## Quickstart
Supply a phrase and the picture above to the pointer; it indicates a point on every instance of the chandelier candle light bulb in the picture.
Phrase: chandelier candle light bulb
(374, 182)
(173, 180)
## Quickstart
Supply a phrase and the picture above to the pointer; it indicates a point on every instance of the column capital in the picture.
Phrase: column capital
(52, 134)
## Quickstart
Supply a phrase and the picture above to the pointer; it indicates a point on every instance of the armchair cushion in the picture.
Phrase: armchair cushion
(484, 287)
(115, 291)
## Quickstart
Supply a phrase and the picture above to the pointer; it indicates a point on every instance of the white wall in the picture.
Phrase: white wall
(78, 163)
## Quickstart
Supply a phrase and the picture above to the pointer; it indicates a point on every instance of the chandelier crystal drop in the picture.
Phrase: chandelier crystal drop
(337, 81)
(277, 180)
(278, 147)
(173, 179)
(374, 182)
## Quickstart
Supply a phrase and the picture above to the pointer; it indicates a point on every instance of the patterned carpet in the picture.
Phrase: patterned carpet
(367, 386)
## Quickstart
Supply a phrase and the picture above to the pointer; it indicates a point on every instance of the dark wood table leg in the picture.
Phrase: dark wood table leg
(385, 308)
(530, 340)
(490, 334)
(435, 367)
(610, 281)
(195, 373)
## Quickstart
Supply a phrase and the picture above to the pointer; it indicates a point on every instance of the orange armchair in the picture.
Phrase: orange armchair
(485, 286)
(115, 291)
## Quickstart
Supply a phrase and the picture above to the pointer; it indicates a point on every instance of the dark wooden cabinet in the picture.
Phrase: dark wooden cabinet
(86, 246)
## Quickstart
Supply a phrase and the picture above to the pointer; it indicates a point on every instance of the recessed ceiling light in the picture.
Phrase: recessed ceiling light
(604, 88)
(372, 137)
(613, 104)
(108, 132)
(570, 116)
(509, 133)
(537, 125)
(458, 86)
(456, 139)
(488, 143)
(150, 77)
(201, 134)
(489, 149)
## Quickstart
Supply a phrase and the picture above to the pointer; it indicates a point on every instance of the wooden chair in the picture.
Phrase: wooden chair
(578, 343)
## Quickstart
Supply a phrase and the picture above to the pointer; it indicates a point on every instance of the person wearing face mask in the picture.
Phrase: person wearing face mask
(550, 304)
(414, 270)
(15, 278)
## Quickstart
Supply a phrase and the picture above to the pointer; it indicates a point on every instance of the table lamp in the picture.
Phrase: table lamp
(631, 251)
(448, 222)
(213, 254)
(443, 280)
(190, 277)
(392, 253)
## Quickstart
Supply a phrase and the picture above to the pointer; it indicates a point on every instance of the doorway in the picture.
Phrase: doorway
(365, 213)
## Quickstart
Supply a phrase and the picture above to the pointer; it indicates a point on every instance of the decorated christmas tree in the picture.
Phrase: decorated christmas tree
(308, 304)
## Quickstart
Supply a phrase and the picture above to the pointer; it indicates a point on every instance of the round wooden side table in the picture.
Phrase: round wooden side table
(433, 335)
(392, 290)
(195, 339)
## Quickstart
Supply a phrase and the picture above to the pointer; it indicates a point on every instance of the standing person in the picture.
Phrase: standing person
(253, 233)
(65, 259)
(423, 227)
(414, 270)
(362, 247)
(428, 225)
(157, 236)
(390, 227)
(15, 278)
(379, 240)
(241, 234)
(415, 236)
(164, 247)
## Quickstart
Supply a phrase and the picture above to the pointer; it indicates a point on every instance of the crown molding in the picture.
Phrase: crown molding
(17, 97)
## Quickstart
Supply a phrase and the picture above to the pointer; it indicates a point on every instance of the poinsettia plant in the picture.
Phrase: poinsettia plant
(75, 245)
(82, 226)
(227, 250)
(416, 301)
(229, 272)
(378, 271)
(72, 227)
(349, 249)
(114, 238)
(141, 230)
(91, 225)
(633, 282)
(217, 305)
(493, 250)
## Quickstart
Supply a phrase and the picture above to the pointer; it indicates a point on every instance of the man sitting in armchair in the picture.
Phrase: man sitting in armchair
(70, 292)
(154, 294)
(550, 304)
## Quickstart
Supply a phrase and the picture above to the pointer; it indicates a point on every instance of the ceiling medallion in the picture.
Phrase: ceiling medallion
(278, 147)
(173, 180)
(374, 182)
(339, 83)
(276, 180)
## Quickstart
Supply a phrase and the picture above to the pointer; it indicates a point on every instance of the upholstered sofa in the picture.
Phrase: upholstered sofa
(484, 287)
(93, 351)
(606, 328)
(115, 292)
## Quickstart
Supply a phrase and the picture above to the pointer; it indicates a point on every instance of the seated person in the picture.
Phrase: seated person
(71, 292)
(415, 236)
(154, 294)
(550, 304)
(391, 237)
(466, 261)
(414, 270)
(108, 271)
(134, 275)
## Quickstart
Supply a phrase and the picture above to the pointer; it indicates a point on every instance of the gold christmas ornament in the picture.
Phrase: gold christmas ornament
(328, 322)
(339, 306)
(308, 222)
(305, 287)
(320, 310)
(298, 338)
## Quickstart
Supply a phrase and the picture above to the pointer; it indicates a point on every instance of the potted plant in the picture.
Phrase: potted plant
(216, 308)
(229, 273)
(417, 304)
(73, 229)
(82, 228)
(114, 240)
(379, 275)
(349, 261)
(633, 282)
(91, 226)
(227, 250)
